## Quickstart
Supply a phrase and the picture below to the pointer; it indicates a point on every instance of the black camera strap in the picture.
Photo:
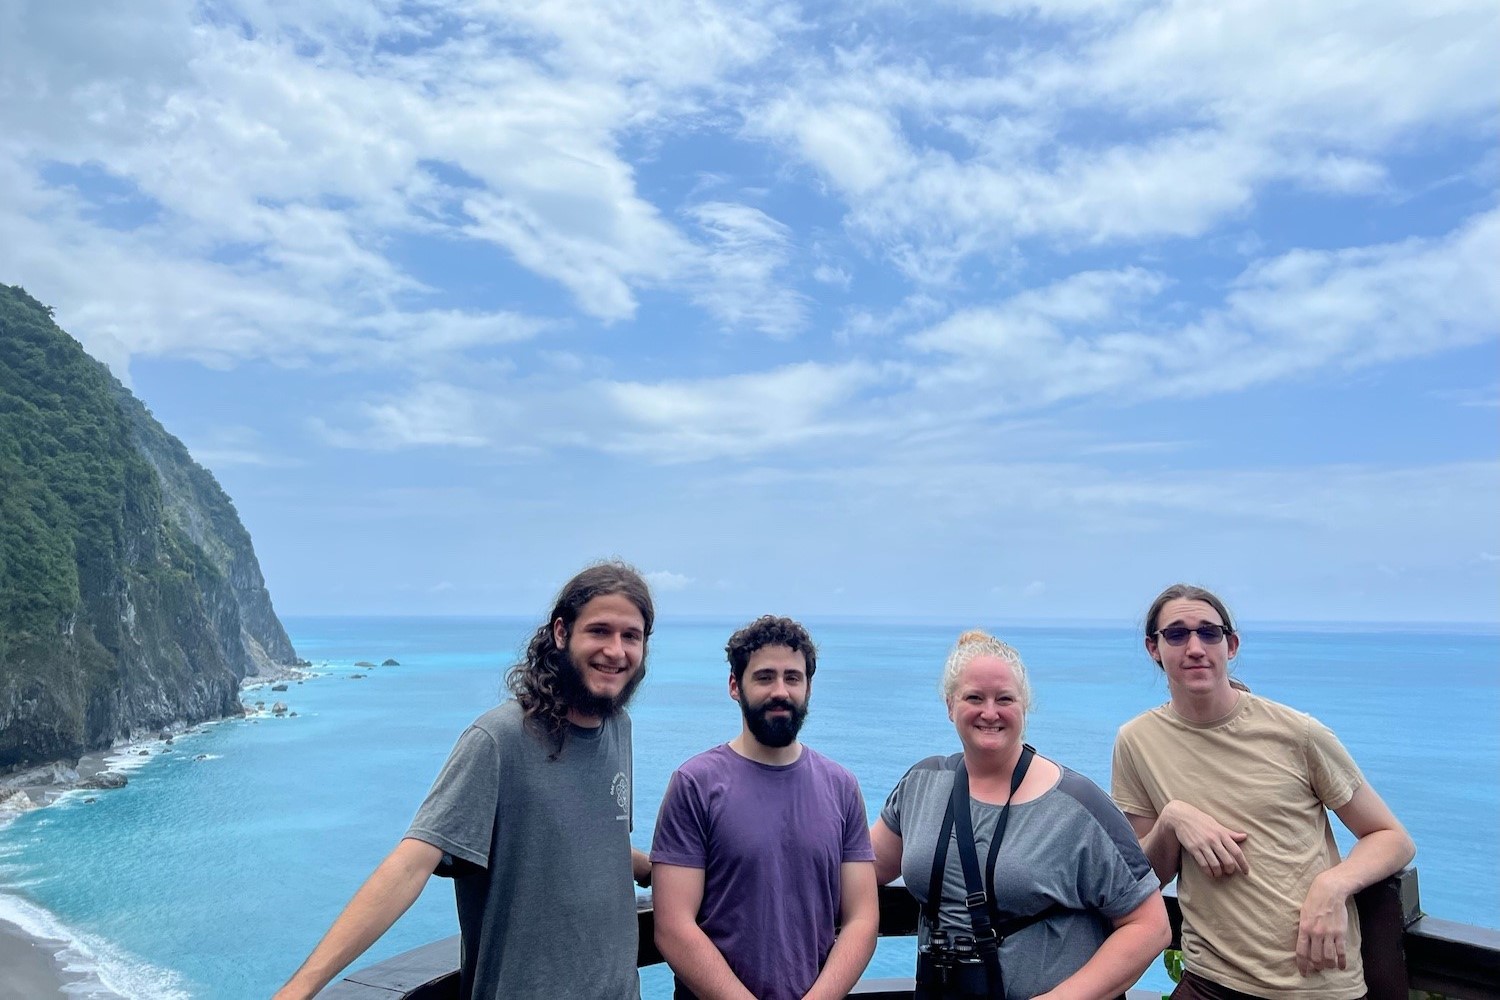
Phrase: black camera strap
(977, 902)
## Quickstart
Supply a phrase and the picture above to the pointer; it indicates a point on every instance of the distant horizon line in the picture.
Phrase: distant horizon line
(1381, 624)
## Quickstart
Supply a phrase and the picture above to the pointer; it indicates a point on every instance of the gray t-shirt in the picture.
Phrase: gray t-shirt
(1069, 846)
(539, 854)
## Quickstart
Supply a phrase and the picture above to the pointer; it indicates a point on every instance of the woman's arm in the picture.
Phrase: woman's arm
(640, 867)
(1139, 937)
(887, 852)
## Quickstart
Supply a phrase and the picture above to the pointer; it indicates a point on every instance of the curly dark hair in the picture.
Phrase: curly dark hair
(769, 630)
(538, 681)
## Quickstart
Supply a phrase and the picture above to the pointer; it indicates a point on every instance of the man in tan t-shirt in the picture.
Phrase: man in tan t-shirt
(1230, 794)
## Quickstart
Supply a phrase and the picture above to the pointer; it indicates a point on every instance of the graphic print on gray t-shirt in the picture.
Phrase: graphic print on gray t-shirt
(539, 853)
(1069, 846)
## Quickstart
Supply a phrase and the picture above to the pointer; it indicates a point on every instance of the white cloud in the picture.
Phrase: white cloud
(670, 46)
(281, 161)
(1087, 335)
(670, 422)
(859, 148)
(1141, 122)
(126, 293)
(748, 249)
(666, 581)
(828, 274)
(737, 415)
(1445, 507)
(1342, 71)
(1290, 315)
(431, 414)
(221, 447)
(915, 309)
(1366, 305)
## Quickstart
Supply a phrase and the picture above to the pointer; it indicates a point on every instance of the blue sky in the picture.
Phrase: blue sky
(982, 309)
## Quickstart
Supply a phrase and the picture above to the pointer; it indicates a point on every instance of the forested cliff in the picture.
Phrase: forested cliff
(130, 595)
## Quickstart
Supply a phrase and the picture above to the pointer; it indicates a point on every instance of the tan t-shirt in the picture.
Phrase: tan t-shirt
(1274, 773)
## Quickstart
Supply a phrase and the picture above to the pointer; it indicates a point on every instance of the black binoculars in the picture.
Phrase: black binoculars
(949, 968)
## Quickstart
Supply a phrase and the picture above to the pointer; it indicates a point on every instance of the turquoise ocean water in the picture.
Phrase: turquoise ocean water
(213, 878)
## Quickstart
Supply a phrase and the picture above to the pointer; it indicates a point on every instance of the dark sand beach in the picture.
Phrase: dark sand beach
(29, 969)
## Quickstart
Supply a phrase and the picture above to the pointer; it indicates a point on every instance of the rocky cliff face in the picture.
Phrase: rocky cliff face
(130, 595)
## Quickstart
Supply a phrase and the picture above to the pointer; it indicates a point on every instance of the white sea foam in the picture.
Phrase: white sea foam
(102, 971)
(127, 757)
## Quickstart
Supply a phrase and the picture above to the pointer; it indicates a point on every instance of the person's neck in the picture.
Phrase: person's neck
(1207, 706)
(992, 768)
(583, 720)
(747, 746)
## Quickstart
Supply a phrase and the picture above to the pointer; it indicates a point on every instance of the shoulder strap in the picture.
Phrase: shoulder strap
(940, 860)
(960, 814)
(986, 941)
(1006, 928)
(1027, 753)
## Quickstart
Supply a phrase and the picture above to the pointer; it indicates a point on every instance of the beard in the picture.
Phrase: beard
(575, 693)
(780, 731)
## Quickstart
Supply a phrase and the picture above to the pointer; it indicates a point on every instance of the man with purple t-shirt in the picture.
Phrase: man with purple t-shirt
(761, 849)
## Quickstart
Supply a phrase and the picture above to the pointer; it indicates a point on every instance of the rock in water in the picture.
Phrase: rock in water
(15, 802)
(105, 780)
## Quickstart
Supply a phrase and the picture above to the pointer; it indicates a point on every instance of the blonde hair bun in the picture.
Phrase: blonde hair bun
(977, 642)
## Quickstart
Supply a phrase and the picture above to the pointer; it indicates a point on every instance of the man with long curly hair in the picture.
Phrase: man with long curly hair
(531, 818)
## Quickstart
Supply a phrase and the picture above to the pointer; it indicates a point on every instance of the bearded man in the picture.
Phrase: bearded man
(531, 818)
(764, 875)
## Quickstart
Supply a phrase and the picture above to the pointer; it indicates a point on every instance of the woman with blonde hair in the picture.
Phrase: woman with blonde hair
(1030, 880)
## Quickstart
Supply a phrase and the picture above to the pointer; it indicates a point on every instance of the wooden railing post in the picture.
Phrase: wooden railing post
(1386, 909)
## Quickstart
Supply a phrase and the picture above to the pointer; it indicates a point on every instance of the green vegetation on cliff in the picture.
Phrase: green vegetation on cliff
(130, 597)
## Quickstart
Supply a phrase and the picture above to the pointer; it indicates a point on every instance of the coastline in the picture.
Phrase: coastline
(45, 784)
(33, 966)
(33, 963)
(40, 959)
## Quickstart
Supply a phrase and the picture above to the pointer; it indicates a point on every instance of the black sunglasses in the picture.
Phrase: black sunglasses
(1209, 635)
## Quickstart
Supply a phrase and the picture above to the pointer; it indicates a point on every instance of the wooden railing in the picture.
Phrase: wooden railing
(1403, 950)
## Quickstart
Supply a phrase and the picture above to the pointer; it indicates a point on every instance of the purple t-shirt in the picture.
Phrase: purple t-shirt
(770, 841)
